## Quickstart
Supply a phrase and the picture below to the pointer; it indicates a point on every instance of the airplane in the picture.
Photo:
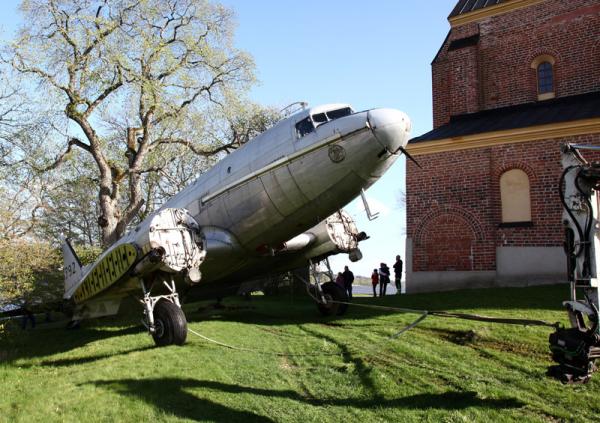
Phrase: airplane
(273, 205)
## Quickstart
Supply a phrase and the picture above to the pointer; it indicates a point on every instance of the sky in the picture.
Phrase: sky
(370, 54)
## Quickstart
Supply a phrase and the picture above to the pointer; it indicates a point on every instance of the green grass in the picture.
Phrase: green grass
(332, 370)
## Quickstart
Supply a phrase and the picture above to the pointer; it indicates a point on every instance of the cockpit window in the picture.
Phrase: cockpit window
(336, 114)
(308, 124)
(304, 127)
(319, 118)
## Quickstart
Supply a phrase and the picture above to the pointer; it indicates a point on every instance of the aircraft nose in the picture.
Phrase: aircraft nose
(390, 127)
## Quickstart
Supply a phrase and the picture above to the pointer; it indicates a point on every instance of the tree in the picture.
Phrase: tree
(20, 188)
(70, 207)
(142, 81)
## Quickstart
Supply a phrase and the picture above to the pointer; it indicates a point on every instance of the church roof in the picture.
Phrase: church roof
(564, 109)
(466, 6)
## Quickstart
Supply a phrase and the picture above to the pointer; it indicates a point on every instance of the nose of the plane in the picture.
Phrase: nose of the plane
(391, 127)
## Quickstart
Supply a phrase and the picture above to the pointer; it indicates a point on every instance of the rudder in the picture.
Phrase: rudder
(71, 265)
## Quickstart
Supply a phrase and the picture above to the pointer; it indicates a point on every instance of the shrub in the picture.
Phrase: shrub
(30, 272)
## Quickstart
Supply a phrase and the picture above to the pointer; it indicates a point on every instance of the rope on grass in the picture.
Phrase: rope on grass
(206, 338)
(422, 315)
(504, 320)
(265, 352)
(448, 314)
(408, 327)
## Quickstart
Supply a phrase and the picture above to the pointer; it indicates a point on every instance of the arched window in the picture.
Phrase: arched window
(544, 69)
(545, 78)
(515, 197)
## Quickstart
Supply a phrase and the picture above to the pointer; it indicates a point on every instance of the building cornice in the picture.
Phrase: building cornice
(510, 136)
(486, 12)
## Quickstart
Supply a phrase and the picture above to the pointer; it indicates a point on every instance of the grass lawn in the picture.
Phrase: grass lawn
(334, 369)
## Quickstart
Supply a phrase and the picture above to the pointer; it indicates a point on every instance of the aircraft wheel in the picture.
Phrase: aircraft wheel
(333, 292)
(170, 324)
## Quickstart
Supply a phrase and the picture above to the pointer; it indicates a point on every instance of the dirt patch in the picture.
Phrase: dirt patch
(285, 364)
(459, 337)
(472, 338)
(513, 347)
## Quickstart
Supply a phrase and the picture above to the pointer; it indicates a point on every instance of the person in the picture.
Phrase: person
(374, 281)
(384, 278)
(28, 316)
(339, 280)
(398, 274)
(348, 279)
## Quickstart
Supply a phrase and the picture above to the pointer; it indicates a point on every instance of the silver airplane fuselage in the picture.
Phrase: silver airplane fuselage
(277, 186)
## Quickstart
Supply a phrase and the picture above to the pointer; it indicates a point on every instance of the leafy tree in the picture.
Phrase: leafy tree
(141, 84)
(20, 188)
(70, 207)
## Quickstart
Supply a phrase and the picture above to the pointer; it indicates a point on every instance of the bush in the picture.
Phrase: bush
(87, 254)
(30, 273)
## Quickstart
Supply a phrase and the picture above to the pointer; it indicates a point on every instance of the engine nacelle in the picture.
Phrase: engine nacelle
(171, 242)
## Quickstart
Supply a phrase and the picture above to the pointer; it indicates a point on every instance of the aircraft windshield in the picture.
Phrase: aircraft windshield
(336, 114)
(320, 118)
(308, 124)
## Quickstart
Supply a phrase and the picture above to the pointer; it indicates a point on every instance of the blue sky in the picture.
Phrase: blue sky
(367, 53)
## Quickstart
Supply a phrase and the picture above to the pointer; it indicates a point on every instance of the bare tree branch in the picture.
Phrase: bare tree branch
(61, 158)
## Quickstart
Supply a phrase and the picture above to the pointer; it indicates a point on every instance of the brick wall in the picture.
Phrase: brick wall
(497, 71)
(453, 203)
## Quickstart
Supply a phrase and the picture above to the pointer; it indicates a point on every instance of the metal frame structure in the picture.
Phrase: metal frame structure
(575, 349)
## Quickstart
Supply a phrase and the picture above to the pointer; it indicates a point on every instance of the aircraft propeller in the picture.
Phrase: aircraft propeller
(408, 156)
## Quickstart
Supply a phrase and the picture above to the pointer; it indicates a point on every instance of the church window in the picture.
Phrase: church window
(545, 78)
(544, 73)
(515, 197)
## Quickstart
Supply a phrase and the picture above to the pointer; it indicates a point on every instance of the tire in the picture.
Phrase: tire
(333, 292)
(170, 324)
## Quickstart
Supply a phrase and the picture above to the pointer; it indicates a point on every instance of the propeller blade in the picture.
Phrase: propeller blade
(407, 154)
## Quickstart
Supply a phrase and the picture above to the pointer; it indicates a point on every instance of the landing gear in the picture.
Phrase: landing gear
(334, 295)
(331, 298)
(170, 326)
(163, 316)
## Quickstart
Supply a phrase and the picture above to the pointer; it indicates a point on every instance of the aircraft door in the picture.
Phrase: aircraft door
(280, 186)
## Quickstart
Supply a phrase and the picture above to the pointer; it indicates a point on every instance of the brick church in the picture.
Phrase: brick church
(512, 81)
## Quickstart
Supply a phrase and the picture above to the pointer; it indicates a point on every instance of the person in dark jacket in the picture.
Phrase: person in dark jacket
(398, 275)
(348, 279)
(384, 278)
(28, 316)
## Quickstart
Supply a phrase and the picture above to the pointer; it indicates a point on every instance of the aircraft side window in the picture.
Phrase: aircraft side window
(336, 114)
(304, 127)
